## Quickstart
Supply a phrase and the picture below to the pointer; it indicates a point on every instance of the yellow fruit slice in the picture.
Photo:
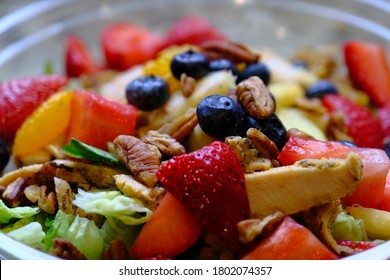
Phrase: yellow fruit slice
(46, 124)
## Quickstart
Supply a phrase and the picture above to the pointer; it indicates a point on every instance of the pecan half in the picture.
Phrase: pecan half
(46, 200)
(266, 147)
(13, 194)
(254, 96)
(165, 143)
(297, 132)
(187, 84)
(116, 250)
(142, 159)
(235, 52)
(64, 249)
(336, 129)
(181, 127)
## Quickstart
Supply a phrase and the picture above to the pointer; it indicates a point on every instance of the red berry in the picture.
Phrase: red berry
(210, 183)
(357, 245)
(20, 97)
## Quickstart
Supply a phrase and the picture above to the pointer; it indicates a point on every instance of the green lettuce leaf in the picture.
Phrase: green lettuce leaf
(113, 229)
(82, 232)
(346, 227)
(30, 234)
(7, 214)
(113, 204)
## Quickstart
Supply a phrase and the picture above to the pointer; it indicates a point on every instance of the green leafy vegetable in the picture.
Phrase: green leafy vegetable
(113, 229)
(80, 150)
(113, 204)
(346, 227)
(81, 232)
(30, 234)
(6, 214)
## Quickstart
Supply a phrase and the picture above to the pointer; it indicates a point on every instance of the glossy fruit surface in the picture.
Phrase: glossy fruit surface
(223, 64)
(171, 230)
(290, 241)
(20, 97)
(220, 116)
(147, 93)
(320, 89)
(96, 120)
(191, 63)
(210, 183)
(258, 69)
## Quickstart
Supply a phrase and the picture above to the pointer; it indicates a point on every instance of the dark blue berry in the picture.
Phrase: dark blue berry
(320, 89)
(4, 154)
(191, 63)
(147, 93)
(223, 64)
(220, 116)
(258, 69)
(386, 148)
(347, 143)
(272, 127)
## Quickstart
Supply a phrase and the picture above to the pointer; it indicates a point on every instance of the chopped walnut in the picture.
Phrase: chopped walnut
(165, 143)
(65, 196)
(297, 132)
(312, 105)
(250, 229)
(64, 249)
(142, 159)
(13, 194)
(254, 96)
(181, 127)
(232, 51)
(132, 188)
(47, 201)
(116, 250)
(187, 84)
(266, 147)
(248, 154)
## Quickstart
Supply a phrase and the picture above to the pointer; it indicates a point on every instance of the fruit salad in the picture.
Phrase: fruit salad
(190, 145)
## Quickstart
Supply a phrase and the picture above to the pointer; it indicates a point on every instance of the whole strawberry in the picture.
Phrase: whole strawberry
(211, 183)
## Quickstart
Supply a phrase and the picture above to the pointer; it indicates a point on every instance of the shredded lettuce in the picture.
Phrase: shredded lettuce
(81, 232)
(113, 204)
(113, 229)
(7, 214)
(346, 227)
(30, 234)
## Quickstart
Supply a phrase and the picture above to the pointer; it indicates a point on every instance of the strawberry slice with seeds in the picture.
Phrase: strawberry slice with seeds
(360, 123)
(20, 97)
(210, 183)
(357, 245)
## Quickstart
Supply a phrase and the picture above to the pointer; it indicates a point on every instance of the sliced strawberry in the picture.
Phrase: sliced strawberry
(376, 164)
(358, 246)
(384, 120)
(210, 182)
(360, 123)
(385, 203)
(192, 30)
(369, 69)
(20, 97)
(290, 241)
(96, 120)
(78, 59)
(171, 230)
(126, 44)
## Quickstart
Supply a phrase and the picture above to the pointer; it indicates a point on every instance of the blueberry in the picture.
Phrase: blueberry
(223, 64)
(386, 148)
(220, 116)
(4, 154)
(347, 143)
(320, 89)
(258, 69)
(191, 63)
(147, 93)
(272, 127)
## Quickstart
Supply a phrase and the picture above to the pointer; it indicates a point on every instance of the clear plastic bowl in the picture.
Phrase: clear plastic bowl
(35, 34)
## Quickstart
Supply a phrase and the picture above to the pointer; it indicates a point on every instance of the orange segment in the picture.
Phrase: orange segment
(46, 124)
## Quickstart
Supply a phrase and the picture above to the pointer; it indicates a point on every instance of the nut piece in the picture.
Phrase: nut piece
(297, 132)
(165, 143)
(116, 250)
(336, 129)
(181, 127)
(64, 249)
(234, 52)
(266, 147)
(254, 96)
(14, 192)
(142, 159)
(47, 201)
(187, 84)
